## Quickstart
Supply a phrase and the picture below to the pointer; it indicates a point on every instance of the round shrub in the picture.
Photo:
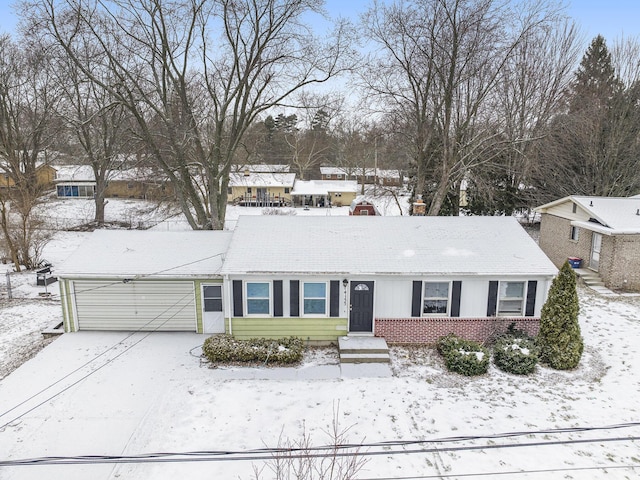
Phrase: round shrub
(447, 343)
(463, 356)
(515, 354)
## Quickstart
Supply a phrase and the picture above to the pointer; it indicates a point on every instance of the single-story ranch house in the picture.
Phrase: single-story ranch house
(407, 279)
(604, 232)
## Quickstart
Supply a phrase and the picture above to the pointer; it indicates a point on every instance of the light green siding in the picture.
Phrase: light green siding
(67, 309)
(198, 292)
(316, 329)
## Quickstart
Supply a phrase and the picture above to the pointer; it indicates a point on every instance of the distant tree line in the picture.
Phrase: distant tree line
(477, 94)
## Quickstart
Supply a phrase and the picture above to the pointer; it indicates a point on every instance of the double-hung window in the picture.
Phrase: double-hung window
(258, 298)
(511, 298)
(314, 298)
(436, 298)
(575, 233)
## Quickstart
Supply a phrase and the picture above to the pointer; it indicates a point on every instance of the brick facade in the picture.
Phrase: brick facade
(429, 330)
(619, 265)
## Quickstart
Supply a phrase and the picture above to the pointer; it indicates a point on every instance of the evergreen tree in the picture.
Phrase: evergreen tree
(596, 83)
(559, 339)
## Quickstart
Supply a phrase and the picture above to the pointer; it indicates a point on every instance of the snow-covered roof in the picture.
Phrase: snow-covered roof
(616, 215)
(74, 173)
(496, 246)
(363, 200)
(351, 171)
(133, 253)
(84, 173)
(323, 187)
(388, 173)
(262, 168)
(262, 180)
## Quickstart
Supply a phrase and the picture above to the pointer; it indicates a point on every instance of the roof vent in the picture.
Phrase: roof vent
(591, 203)
(638, 211)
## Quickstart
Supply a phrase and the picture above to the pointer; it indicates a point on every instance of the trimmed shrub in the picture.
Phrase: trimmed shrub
(463, 356)
(559, 338)
(447, 343)
(516, 354)
(225, 348)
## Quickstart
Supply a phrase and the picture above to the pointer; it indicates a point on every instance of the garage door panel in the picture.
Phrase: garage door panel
(137, 305)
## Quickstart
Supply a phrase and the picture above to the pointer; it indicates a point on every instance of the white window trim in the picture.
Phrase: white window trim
(424, 297)
(246, 299)
(326, 301)
(577, 230)
(523, 300)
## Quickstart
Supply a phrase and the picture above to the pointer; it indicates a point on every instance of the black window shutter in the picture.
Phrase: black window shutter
(416, 299)
(492, 301)
(530, 307)
(334, 298)
(294, 298)
(237, 298)
(277, 298)
(455, 298)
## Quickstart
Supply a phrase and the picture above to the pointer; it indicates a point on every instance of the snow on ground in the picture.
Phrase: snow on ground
(158, 397)
(150, 394)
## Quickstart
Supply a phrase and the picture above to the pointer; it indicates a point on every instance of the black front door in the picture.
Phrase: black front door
(361, 309)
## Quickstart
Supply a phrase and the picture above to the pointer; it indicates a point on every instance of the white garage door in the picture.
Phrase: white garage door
(137, 305)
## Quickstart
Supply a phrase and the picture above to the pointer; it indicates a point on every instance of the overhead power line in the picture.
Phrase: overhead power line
(289, 453)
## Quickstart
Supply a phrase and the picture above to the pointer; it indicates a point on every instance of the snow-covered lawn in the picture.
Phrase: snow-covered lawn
(150, 394)
(125, 395)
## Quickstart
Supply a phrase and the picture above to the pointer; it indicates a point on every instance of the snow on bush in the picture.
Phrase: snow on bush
(225, 348)
(463, 356)
(516, 354)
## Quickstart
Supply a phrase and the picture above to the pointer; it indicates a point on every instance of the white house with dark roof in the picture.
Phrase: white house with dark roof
(604, 232)
(407, 279)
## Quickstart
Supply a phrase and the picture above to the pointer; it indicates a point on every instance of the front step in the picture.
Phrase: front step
(363, 350)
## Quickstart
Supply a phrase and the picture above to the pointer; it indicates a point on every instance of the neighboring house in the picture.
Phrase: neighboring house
(334, 173)
(389, 178)
(363, 175)
(602, 231)
(45, 175)
(260, 189)
(324, 193)
(145, 280)
(79, 181)
(75, 181)
(261, 168)
(362, 206)
(407, 279)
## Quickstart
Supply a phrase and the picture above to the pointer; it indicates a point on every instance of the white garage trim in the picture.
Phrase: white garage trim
(147, 305)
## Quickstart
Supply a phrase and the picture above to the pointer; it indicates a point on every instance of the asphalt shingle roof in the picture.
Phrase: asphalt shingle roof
(384, 245)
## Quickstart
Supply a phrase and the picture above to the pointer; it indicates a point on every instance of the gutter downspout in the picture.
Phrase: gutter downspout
(227, 282)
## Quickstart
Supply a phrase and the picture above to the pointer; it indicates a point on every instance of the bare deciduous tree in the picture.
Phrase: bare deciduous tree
(439, 65)
(28, 98)
(195, 74)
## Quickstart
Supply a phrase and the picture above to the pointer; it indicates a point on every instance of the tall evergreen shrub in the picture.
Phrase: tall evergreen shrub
(559, 339)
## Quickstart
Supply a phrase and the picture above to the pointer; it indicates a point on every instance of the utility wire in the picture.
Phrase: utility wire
(271, 453)
(92, 360)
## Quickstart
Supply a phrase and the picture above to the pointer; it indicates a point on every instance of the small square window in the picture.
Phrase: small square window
(436, 298)
(287, 189)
